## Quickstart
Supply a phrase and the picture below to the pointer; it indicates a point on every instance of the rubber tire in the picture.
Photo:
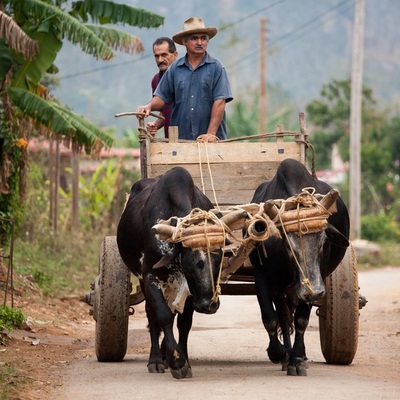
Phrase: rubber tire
(339, 316)
(112, 304)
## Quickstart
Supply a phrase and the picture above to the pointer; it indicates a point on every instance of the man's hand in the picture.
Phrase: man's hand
(146, 110)
(208, 137)
(152, 128)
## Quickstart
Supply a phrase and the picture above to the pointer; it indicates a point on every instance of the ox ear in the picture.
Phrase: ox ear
(335, 237)
(167, 259)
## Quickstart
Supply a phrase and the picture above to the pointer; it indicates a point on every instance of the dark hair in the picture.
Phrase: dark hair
(162, 39)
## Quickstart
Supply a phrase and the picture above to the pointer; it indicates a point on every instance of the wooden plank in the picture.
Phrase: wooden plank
(233, 183)
(173, 134)
(188, 153)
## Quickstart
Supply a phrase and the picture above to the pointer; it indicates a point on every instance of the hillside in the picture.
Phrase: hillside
(308, 44)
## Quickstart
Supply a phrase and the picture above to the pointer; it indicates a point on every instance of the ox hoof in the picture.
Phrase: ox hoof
(285, 365)
(299, 369)
(156, 368)
(185, 372)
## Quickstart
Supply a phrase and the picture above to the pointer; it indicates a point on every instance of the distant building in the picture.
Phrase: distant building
(337, 174)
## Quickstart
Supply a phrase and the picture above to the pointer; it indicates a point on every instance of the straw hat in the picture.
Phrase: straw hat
(194, 25)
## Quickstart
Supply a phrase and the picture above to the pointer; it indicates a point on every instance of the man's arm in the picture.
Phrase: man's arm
(217, 113)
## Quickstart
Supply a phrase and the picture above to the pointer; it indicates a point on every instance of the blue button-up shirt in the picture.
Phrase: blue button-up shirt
(193, 93)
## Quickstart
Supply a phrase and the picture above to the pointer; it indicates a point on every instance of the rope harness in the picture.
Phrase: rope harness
(301, 214)
(200, 230)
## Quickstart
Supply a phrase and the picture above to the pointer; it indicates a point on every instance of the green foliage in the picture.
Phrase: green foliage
(11, 159)
(130, 139)
(97, 194)
(58, 118)
(243, 120)
(108, 12)
(66, 262)
(331, 115)
(10, 318)
(380, 160)
(380, 228)
(58, 263)
(244, 114)
(9, 385)
(31, 37)
(389, 255)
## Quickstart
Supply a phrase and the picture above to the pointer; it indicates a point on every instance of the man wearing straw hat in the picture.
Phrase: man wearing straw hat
(198, 86)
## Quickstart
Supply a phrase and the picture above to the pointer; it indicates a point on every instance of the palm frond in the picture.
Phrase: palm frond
(68, 26)
(87, 133)
(16, 38)
(30, 72)
(117, 39)
(108, 12)
(40, 110)
(59, 119)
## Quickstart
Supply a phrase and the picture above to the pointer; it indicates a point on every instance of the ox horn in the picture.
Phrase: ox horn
(269, 209)
(164, 231)
(235, 219)
(329, 200)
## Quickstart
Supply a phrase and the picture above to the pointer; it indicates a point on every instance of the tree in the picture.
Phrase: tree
(32, 40)
(379, 154)
(31, 35)
(331, 114)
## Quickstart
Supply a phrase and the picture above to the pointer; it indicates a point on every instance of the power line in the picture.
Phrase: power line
(90, 71)
(150, 55)
(251, 15)
(318, 18)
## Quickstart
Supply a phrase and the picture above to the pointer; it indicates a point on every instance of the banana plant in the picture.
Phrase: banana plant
(31, 36)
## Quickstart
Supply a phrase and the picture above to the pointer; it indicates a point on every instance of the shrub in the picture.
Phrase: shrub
(10, 318)
(379, 227)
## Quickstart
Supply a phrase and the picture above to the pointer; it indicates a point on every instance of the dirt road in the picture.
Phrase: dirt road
(229, 360)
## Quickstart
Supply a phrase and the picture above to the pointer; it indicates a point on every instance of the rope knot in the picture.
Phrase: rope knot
(306, 197)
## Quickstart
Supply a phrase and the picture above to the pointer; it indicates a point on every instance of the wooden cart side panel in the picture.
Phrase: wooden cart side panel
(233, 183)
(237, 168)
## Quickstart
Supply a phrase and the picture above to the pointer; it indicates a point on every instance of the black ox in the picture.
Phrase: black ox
(168, 272)
(286, 288)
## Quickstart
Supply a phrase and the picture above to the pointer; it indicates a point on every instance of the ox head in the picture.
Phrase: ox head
(308, 249)
(197, 247)
(201, 270)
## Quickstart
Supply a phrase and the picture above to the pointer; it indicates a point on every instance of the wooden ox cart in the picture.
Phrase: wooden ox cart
(228, 173)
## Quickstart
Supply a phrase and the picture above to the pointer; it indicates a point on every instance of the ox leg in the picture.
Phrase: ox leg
(276, 350)
(285, 322)
(184, 325)
(156, 362)
(298, 359)
(174, 356)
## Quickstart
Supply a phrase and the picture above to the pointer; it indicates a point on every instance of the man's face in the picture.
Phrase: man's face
(163, 57)
(196, 43)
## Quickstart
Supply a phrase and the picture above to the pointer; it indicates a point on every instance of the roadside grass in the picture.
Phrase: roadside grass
(11, 382)
(59, 264)
(388, 256)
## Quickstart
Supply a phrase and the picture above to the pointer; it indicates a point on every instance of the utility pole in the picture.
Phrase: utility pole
(263, 95)
(355, 119)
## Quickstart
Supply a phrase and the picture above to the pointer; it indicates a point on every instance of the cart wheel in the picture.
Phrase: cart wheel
(338, 316)
(112, 303)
